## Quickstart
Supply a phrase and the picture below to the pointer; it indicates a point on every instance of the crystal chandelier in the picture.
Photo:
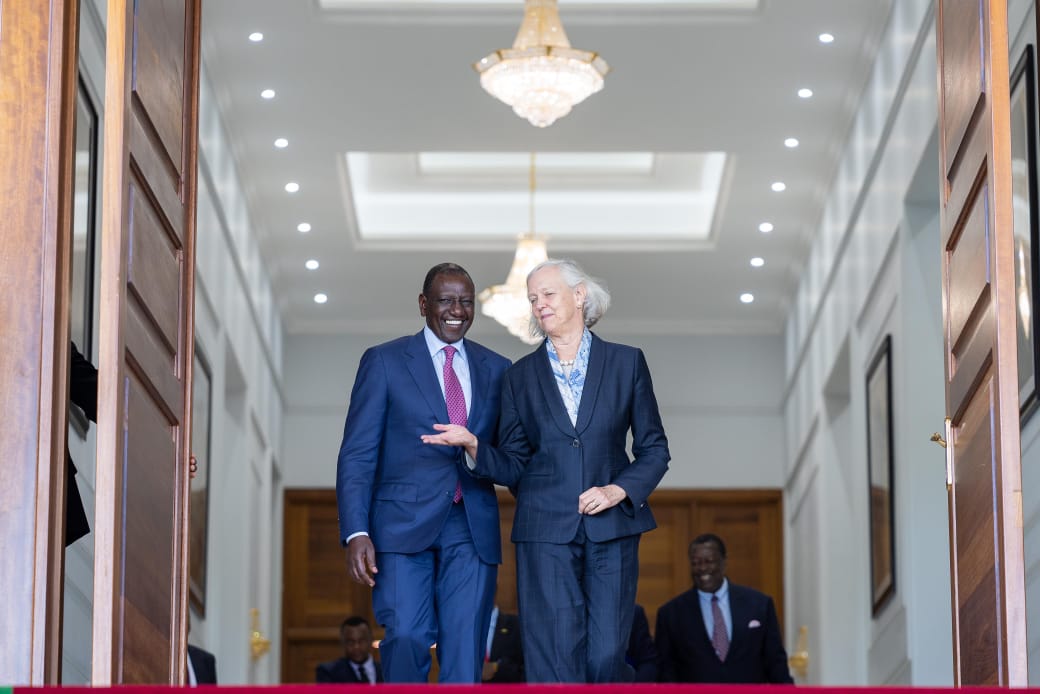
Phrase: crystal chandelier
(541, 76)
(507, 303)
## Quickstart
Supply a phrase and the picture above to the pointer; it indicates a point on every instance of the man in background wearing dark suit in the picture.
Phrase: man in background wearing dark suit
(719, 632)
(202, 666)
(357, 666)
(503, 656)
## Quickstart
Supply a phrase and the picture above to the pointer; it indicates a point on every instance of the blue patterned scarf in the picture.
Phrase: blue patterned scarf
(571, 386)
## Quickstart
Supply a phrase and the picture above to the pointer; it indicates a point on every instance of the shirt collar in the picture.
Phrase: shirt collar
(722, 593)
(436, 344)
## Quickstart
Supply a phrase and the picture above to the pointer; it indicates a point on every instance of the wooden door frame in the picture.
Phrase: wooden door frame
(38, 59)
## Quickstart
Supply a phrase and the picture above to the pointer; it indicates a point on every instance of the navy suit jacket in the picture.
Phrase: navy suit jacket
(388, 482)
(756, 650)
(204, 664)
(340, 671)
(641, 654)
(549, 462)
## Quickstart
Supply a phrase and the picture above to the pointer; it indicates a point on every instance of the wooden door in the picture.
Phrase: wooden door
(980, 349)
(37, 109)
(146, 328)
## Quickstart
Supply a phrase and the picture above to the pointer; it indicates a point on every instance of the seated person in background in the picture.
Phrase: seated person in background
(641, 654)
(357, 666)
(202, 666)
(719, 632)
(503, 655)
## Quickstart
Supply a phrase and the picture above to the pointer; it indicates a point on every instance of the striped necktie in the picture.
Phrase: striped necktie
(455, 399)
(719, 637)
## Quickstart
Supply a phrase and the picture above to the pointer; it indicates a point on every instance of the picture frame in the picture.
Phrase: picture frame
(85, 239)
(198, 497)
(1026, 228)
(880, 477)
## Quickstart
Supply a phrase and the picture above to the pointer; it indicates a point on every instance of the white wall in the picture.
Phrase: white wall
(719, 397)
(239, 335)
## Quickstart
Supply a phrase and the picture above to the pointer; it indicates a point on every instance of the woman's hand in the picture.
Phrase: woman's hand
(453, 435)
(598, 499)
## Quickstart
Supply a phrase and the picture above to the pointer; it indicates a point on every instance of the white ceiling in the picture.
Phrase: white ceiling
(394, 78)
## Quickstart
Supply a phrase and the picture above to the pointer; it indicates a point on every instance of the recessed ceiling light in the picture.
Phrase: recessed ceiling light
(256, 37)
(757, 262)
(826, 38)
(267, 94)
(311, 264)
(281, 143)
(778, 187)
(303, 227)
(745, 298)
(293, 186)
(804, 93)
(765, 227)
(320, 298)
(790, 142)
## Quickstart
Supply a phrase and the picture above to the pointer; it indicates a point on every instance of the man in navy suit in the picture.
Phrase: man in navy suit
(417, 528)
(719, 632)
(581, 501)
(357, 666)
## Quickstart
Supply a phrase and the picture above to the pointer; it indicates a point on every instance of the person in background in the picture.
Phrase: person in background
(83, 384)
(641, 654)
(357, 666)
(417, 528)
(504, 655)
(719, 632)
(202, 666)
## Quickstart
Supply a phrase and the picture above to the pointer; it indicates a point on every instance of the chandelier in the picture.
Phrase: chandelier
(507, 303)
(541, 76)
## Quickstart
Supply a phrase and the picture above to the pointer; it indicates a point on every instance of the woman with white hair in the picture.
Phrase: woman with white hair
(567, 410)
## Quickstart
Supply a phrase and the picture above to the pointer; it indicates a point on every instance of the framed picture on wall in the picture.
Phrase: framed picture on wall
(84, 239)
(880, 477)
(198, 499)
(1026, 223)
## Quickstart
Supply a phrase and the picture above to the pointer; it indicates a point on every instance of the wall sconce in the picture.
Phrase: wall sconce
(258, 645)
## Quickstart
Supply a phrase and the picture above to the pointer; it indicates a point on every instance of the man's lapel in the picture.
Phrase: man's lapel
(479, 383)
(420, 366)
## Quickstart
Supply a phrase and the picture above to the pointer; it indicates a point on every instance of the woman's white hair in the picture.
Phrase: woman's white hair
(597, 298)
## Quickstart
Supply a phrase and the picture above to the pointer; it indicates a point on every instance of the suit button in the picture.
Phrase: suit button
(576, 443)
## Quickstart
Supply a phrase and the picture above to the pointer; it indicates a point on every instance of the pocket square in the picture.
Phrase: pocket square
(754, 624)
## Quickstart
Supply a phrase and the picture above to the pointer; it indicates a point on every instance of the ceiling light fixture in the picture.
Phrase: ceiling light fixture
(507, 303)
(267, 94)
(778, 186)
(765, 227)
(281, 143)
(791, 142)
(256, 37)
(757, 262)
(292, 187)
(541, 76)
(311, 264)
(826, 38)
(320, 298)
(303, 227)
(747, 298)
(804, 93)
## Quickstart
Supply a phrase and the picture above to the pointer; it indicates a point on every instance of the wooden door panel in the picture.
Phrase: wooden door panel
(158, 81)
(963, 81)
(149, 182)
(984, 470)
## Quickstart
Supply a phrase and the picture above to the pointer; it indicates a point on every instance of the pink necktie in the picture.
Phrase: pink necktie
(719, 638)
(455, 399)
